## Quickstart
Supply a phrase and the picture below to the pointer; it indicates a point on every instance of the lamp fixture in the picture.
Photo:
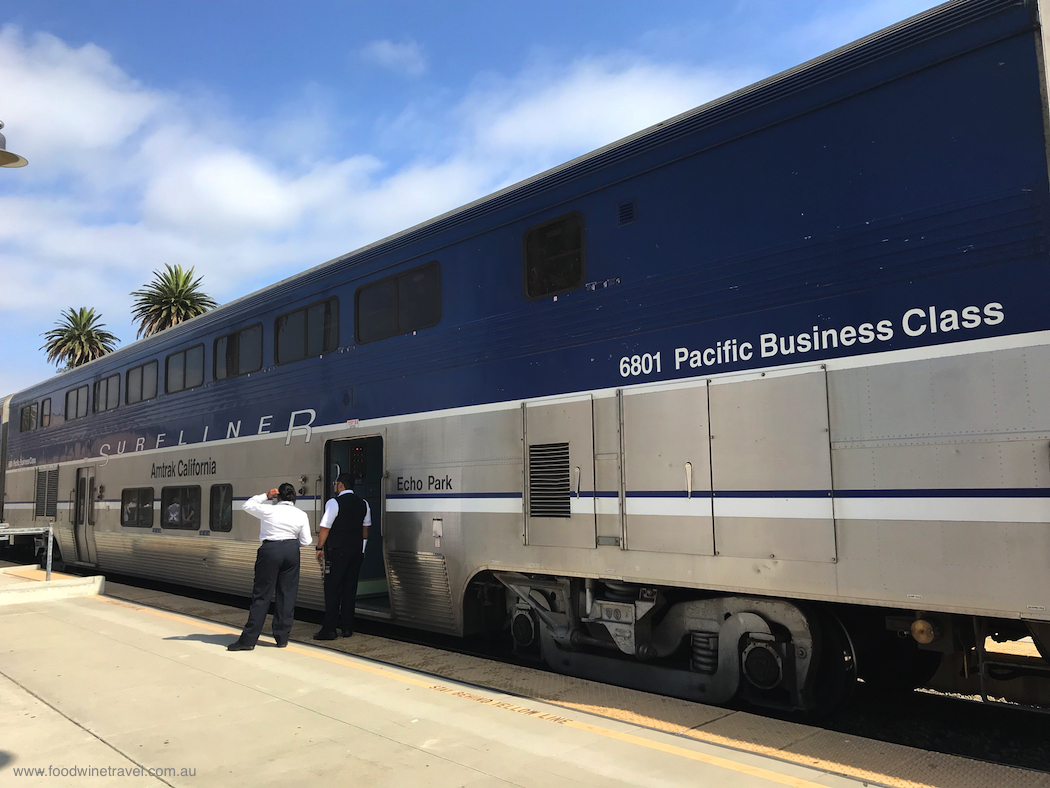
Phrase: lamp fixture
(8, 159)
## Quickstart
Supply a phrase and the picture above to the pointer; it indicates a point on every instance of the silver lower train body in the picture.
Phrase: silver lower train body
(722, 513)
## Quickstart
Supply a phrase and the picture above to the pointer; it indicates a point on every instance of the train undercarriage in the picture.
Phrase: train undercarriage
(785, 655)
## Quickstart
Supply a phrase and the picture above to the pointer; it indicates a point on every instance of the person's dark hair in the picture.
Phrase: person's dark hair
(346, 480)
(286, 492)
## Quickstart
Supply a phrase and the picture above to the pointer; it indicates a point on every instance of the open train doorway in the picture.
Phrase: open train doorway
(362, 458)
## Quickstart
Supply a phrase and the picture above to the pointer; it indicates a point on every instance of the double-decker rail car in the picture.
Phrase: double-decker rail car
(722, 410)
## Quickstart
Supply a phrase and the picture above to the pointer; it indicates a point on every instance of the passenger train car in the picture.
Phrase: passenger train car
(744, 406)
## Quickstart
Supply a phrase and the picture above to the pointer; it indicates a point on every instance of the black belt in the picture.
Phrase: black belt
(280, 540)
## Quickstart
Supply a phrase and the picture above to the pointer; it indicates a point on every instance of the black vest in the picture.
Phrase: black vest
(347, 529)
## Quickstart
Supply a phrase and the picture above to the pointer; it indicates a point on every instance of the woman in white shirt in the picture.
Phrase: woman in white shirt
(282, 530)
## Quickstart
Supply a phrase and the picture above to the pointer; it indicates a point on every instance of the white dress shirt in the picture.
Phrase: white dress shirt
(331, 509)
(280, 520)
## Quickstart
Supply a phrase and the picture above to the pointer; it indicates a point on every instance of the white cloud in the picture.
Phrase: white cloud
(595, 102)
(405, 57)
(221, 191)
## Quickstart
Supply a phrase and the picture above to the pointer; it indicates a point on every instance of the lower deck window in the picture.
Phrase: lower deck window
(136, 507)
(220, 514)
(180, 507)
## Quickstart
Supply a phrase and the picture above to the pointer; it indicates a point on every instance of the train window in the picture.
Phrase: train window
(76, 403)
(45, 412)
(399, 304)
(419, 298)
(184, 370)
(307, 332)
(107, 393)
(554, 257)
(27, 418)
(220, 514)
(141, 383)
(136, 507)
(377, 311)
(238, 353)
(180, 507)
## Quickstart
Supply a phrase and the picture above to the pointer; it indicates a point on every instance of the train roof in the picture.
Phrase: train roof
(877, 46)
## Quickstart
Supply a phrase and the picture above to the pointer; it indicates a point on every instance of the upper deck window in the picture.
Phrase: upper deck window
(399, 304)
(554, 257)
(141, 383)
(307, 332)
(107, 393)
(27, 418)
(238, 353)
(77, 403)
(45, 412)
(184, 370)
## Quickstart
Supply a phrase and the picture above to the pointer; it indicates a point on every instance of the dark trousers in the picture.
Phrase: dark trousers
(340, 589)
(276, 565)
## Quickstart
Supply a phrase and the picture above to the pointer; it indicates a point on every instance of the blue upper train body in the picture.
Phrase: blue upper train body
(890, 195)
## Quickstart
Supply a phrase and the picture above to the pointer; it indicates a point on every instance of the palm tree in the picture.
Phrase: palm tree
(78, 338)
(172, 297)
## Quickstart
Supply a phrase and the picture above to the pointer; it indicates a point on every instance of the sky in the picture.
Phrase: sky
(255, 139)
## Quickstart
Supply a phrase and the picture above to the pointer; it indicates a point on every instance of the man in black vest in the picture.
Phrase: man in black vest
(340, 548)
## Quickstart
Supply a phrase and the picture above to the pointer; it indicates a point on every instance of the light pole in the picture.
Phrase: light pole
(8, 159)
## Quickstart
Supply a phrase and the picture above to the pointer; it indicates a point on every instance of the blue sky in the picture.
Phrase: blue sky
(255, 139)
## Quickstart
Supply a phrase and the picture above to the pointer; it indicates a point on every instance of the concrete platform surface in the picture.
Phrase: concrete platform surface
(21, 584)
(94, 689)
(873, 762)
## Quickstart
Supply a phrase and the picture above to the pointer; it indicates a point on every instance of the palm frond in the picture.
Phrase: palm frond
(77, 338)
(173, 296)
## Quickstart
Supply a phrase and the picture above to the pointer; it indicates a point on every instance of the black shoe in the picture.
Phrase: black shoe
(282, 644)
(325, 634)
(346, 633)
(238, 646)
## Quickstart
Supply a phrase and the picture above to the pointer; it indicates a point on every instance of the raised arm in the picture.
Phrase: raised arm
(254, 505)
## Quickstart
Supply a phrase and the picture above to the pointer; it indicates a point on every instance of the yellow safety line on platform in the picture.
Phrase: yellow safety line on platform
(670, 749)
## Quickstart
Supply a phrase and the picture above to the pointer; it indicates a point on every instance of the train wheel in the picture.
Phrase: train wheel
(836, 667)
(895, 664)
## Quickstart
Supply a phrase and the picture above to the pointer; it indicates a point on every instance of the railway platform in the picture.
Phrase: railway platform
(150, 697)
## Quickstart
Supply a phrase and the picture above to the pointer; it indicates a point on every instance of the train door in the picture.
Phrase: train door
(362, 458)
(559, 472)
(84, 495)
(667, 470)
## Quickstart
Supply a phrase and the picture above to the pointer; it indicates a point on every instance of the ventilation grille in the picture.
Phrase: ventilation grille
(420, 591)
(46, 493)
(549, 480)
(625, 213)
